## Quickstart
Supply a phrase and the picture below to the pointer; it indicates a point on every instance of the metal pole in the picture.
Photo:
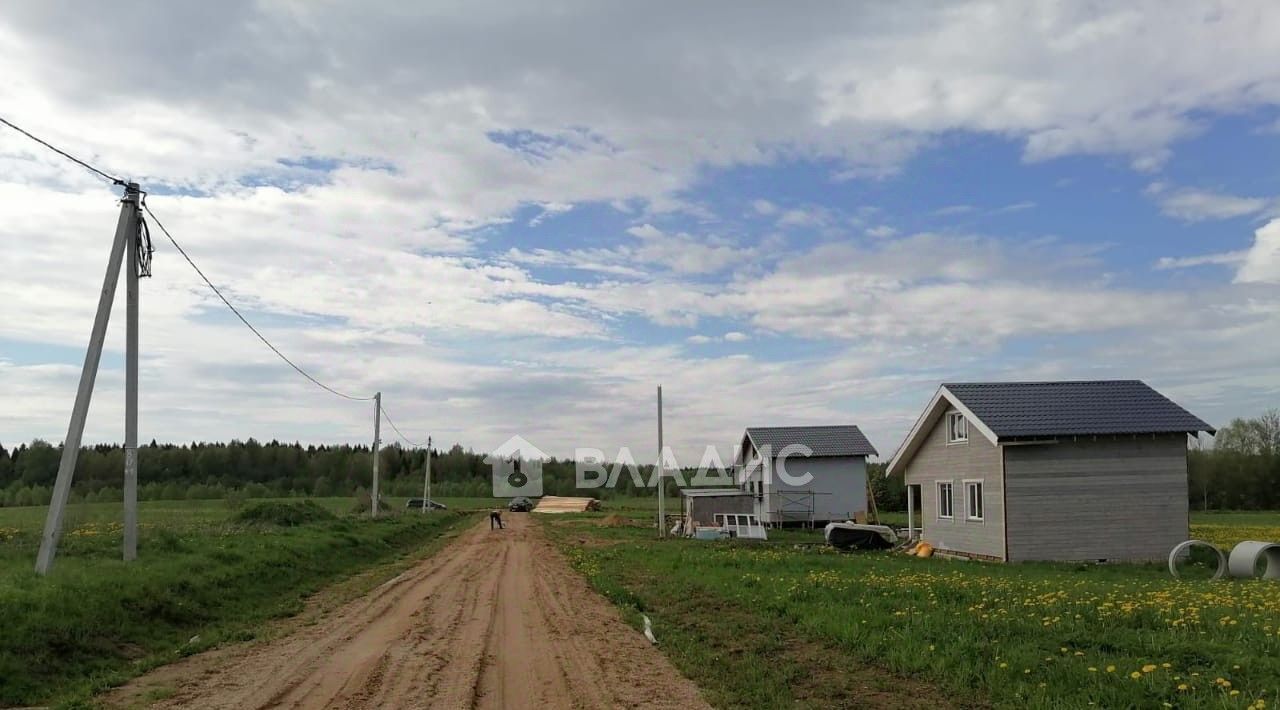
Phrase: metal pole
(88, 374)
(426, 482)
(662, 465)
(377, 433)
(131, 387)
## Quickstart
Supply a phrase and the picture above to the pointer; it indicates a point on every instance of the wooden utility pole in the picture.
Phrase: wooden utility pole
(126, 233)
(426, 480)
(377, 434)
(662, 465)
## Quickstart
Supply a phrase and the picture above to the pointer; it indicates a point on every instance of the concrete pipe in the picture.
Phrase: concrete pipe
(1245, 557)
(1184, 548)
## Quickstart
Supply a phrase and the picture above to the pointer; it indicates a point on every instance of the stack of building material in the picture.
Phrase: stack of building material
(560, 504)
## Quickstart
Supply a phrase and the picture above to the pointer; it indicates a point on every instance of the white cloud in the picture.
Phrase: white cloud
(932, 288)
(1014, 207)
(764, 207)
(549, 209)
(734, 336)
(1195, 205)
(883, 231)
(1262, 261)
(1185, 262)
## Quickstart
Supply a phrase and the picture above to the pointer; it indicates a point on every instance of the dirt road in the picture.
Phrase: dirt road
(494, 620)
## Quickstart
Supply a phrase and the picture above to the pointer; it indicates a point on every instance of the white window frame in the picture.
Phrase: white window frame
(968, 508)
(951, 499)
(957, 435)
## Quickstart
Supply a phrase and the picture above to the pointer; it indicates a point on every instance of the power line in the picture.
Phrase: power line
(113, 179)
(244, 320)
(117, 181)
(405, 439)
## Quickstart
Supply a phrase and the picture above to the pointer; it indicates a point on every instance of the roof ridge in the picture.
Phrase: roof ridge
(805, 426)
(1045, 382)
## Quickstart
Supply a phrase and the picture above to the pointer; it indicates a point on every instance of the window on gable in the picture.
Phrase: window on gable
(957, 428)
(973, 500)
(946, 500)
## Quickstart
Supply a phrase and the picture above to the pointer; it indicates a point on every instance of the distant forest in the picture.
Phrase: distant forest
(259, 470)
(1241, 472)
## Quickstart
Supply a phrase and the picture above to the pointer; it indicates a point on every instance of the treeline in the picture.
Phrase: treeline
(254, 469)
(1242, 470)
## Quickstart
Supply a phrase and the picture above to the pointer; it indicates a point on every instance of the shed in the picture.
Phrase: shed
(701, 505)
(1080, 470)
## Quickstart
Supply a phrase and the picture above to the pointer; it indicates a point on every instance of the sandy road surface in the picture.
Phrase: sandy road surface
(494, 620)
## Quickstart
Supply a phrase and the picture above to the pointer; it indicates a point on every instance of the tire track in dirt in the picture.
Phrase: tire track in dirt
(494, 620)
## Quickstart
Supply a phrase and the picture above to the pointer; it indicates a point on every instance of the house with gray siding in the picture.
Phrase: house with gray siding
(805, 475)
(1021, 471)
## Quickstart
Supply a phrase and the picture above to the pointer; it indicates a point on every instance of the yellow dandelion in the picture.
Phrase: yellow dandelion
(1149, 668)
(1135, 675)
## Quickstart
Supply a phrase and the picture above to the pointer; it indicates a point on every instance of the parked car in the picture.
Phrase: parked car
(416, 504)
(520, 505)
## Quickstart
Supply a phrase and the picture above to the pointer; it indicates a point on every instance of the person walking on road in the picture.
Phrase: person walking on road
(495, 519)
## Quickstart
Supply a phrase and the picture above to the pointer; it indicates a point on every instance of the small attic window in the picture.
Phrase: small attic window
(957, 428)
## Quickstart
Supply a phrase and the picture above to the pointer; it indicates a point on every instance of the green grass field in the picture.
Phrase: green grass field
(1031, 635)
(95, 621)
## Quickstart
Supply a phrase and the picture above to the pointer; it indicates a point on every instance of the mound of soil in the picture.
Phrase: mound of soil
(283, 514)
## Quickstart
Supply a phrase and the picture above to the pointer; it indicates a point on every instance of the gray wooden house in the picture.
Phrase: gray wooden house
(805, 475)
(1022, 471)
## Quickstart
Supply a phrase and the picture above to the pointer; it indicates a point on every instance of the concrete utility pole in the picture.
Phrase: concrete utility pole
(131, 388)
(426, 480)
(126, 231)
(377, 435)
(662, 469)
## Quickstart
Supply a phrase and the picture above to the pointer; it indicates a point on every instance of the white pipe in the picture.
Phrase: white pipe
(1184, 547)
(1245, 556)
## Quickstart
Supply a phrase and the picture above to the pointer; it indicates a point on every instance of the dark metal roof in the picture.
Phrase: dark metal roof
(1032, 409)
(839, 440)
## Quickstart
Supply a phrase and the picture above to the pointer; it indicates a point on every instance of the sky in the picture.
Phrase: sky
(517, 218)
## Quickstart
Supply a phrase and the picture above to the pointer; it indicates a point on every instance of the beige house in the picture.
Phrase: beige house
(1021, 471)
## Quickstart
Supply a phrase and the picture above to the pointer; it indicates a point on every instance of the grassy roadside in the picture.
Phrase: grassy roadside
(94, 622)
(1044, 636)
(741, 658)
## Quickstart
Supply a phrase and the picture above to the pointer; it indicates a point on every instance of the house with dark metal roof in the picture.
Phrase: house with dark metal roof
(806, 475)
(1022, 471)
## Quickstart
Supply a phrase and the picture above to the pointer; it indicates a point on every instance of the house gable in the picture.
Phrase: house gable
(943, 401)
(958, 525)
